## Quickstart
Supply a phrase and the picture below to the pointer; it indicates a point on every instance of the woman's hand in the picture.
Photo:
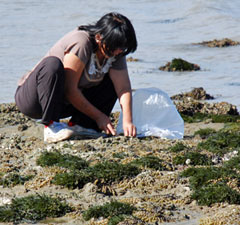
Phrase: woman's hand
(129, 129)
(104, 123)
(122, 86)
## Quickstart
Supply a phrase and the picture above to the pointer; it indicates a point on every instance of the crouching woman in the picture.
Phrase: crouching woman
(81, 77)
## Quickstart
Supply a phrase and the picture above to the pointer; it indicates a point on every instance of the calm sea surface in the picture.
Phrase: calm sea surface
(165, 30)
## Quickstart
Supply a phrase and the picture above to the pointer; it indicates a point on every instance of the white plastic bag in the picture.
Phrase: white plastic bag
(154, 114)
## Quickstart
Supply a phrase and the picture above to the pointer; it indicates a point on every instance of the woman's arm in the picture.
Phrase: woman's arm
(122, 86)
(73, 70)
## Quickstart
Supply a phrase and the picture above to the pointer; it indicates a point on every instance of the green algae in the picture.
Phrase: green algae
(225, 118)
(178, 147)
(233, 163)
(179, 64)
(216, 193)
(221, 142)
(202, 176)
(112, 171)
(194, 117)
(58, 159)
(116, 219)
(232, 127)
(204, 133)
(115, 211)
(195, 158)
(73, 179)
(200, 117)
(13, 179)
(33, 208)
(81, 173)
(106, 172)
(149, 162)
(210, 185)
(119, 155)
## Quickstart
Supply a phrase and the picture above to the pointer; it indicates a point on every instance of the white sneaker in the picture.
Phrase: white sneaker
(57, 132)
(78, 130)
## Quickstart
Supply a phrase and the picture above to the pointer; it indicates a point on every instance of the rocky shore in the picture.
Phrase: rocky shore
(120, 180)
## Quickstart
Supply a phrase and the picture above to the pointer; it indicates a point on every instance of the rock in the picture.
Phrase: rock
(22, 127)
(9, 114)
(230, 155)
(131, 59)
(216, 159)
(190, 106)
(179, 65)
(188, 161)
(220, 43)
(196, 93)
(4, 201)
(90, 188)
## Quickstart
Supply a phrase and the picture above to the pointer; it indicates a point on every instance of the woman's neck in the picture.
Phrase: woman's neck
(100, 57)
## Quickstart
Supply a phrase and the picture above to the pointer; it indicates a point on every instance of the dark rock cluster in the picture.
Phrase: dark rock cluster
(226, 42)
(196, 93)
(192, 102)
(179, 65)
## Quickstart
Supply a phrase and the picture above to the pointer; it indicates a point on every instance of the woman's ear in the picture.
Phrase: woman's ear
(98, 38)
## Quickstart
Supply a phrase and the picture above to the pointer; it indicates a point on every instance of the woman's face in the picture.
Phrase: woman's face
(104, 51)
(108, 54)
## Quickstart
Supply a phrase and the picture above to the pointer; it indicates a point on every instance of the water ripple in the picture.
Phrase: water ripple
(167, 21)
(234, 84)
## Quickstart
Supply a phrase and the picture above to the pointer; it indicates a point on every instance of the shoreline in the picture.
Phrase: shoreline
(160, 196)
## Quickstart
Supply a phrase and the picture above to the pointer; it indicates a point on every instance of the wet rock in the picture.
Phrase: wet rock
(9, 114)
(220, 43)
(131, 59)
(230, 155)
(191, 106)
(216, 159)
(8, 107)
(193, 102)
(196, 93)
(178, 64)
(114, 118)
(22, 127)
(90, 188)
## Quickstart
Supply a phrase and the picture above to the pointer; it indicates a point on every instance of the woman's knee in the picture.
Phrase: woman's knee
(51, 68)
(53, 64)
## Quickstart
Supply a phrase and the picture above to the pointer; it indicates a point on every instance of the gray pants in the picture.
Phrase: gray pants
(42, 95)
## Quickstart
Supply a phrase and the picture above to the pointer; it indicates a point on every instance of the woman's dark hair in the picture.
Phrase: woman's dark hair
(116, 31)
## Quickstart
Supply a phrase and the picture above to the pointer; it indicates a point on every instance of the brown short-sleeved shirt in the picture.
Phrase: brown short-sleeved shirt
(78, 42)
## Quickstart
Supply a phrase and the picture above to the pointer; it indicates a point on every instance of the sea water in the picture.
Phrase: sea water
(165, 29)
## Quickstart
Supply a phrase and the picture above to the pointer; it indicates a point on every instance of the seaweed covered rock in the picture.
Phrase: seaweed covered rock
(33, 208)
(114, 210)
(220, 43)
(191, 106)
(210, 185)
(178, 64)
(190, 103)
(13, 179)
(196, 93)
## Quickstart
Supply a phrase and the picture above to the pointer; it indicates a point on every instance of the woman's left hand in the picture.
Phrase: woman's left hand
(129, 130)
